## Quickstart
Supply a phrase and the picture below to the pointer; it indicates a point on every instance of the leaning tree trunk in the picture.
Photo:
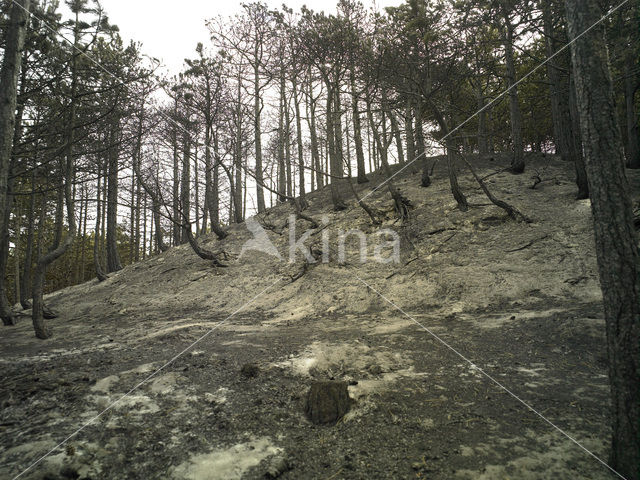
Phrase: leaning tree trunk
(515, 115)
(9, 73)
(460, 197)
(616, 239)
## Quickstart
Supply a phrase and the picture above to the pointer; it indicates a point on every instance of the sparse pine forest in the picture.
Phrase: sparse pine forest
(107, 160)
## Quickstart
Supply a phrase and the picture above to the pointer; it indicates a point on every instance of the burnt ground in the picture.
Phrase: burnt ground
(521, 301)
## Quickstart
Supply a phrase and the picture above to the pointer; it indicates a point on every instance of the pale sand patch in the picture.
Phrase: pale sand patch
(226, 464)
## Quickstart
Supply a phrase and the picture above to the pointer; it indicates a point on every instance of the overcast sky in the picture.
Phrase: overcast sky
(170, 29)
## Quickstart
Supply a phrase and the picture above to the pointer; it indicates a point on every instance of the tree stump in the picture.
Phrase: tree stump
(327, 402)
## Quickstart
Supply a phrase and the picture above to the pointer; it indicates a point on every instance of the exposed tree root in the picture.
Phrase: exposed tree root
(511, 210)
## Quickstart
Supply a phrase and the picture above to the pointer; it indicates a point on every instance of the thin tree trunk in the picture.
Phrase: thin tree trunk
(335, 160)
(397, 135)
(615, 236)
(25, 288)
(420, 150)
(301, 166)
(282, 174)
(59, 247)
(11, 64)
(633, 131)
(113, 255)
(517, 162)
(357, 130)
(100, 274)
(185, 187)
(257, 108)
(575, 143)
(408, 132)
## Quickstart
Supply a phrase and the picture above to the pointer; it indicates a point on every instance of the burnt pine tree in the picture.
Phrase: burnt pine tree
(616, 239)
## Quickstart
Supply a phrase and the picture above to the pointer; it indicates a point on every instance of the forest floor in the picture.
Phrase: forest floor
(519, 300)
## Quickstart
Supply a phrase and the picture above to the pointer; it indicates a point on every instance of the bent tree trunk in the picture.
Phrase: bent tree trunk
(616, 240)
(42, 331)
(8, 97)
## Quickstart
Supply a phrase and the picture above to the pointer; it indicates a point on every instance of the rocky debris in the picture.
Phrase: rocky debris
(327, 402)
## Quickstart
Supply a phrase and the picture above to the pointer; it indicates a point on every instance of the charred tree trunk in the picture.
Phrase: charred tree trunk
(113, 255)
(25, 287)
(301, 167)
(616, 238)
(515, 115)
(575, 143)
(425, 180)
(633, 131)
(185, 186)
(357, 130)
(335, 156)
(257, 128)
(96, 237)
(15, 35)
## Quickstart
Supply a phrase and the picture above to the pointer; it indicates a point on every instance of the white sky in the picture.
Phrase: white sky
(170, 29)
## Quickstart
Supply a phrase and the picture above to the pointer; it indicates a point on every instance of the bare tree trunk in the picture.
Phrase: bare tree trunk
(558, 97)
(633, 131)
(483, 143)
(287, 147)
(420, 149)
(237, 158)
(301, 166)
(615, 236)
(335, 157)
(575, 143)
(100, 274)
(9, 73)
(83, 221)
(176, 178)
(517, 162)
(313, 133)
(357, 130)
(185, 187)
(257, 108)
(65, 195)
(282, 174)
(113, 255)
(408, 132)
(397, 135)
(25, 288)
